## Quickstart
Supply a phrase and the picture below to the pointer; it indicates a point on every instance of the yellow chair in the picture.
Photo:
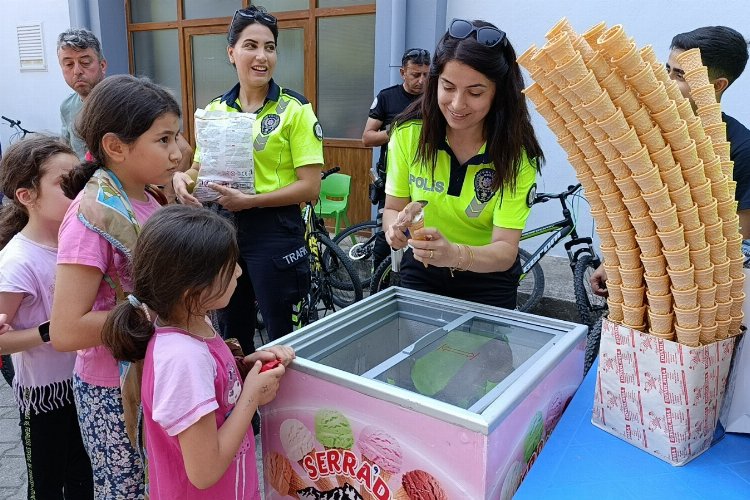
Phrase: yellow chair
(334, 198)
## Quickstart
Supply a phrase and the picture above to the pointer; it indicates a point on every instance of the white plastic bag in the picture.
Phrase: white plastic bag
(735, 416)
(226, 145)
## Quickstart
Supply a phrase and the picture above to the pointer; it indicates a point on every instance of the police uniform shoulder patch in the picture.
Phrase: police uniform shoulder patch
(531, 195)
(269, 123)
(318, 131)
(483, 185)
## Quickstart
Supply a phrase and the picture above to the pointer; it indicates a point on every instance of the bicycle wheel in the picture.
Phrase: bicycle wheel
(7, 369)
(337, 271)
(383, 277)
(593, 339)
(531, 285)
(590, 306)
(357, 242)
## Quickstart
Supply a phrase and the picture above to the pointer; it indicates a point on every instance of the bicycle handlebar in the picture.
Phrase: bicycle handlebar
(12, 123)
(544, 197)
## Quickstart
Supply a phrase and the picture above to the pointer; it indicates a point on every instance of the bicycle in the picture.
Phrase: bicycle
(333, 282)
(581, 256)
(19, 131)
(358, 243)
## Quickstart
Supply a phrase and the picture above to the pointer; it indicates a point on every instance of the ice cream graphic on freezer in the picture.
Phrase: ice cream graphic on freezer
(334, 432)
(379, 448)
(420, 485)
(298, 442)
(281, 475)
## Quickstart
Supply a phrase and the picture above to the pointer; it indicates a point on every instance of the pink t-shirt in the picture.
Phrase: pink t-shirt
(184, 379)
(79, 245)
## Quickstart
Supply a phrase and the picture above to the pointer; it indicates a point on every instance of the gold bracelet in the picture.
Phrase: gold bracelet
(458, 264)
(471, 258)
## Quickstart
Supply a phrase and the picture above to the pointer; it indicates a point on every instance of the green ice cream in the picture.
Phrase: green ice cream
(533, 436)
(332, 429)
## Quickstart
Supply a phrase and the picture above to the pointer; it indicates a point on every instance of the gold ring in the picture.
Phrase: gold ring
(432, 252)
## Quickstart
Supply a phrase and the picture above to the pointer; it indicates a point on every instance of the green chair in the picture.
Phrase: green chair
(334, 198)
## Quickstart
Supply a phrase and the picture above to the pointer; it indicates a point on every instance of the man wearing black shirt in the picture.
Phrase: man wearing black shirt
(415, 64)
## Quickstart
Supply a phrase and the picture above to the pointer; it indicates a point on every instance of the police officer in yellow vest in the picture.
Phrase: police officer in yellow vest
(470, 151)
(288, 155)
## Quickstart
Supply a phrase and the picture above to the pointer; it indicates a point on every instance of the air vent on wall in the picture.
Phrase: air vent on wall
(31, 47)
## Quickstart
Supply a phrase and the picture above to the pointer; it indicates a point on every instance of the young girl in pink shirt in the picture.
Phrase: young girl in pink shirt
(197, 411)
(130, 126)
(30, 174)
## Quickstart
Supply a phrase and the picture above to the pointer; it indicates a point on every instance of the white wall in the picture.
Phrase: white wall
(649, 22)
(31, 96)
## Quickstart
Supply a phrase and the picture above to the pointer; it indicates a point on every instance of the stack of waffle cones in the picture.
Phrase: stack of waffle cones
(657, 176)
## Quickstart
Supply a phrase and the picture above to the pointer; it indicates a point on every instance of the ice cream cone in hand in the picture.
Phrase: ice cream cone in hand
(298, 443)
(412, 218)
(418, 484)
(282, 476)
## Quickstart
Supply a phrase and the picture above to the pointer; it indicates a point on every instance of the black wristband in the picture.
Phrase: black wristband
(44, 331)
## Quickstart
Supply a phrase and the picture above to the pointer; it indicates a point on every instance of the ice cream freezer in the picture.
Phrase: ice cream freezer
(409, 395)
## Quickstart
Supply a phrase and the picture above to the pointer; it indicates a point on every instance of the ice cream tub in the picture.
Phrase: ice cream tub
(407, 394)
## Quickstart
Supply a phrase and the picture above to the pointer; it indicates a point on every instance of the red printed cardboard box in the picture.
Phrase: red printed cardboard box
(660, 396)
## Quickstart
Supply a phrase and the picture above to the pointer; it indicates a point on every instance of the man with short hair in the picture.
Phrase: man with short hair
(415, 64)
(83, 67)
(724, 52)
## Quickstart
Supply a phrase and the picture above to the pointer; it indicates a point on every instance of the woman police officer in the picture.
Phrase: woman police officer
(469, 150)
(287, 154)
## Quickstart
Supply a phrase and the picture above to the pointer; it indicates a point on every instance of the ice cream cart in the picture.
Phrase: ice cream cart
(409, 395)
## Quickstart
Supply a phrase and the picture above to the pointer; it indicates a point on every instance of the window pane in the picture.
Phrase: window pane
(346, 57)
(212, 73)
(343, 3)
(290, 67)
(156, 55)
(284, 5)
(150, 11)
(200, 9)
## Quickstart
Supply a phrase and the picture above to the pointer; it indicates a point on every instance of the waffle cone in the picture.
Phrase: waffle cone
(708, 334)
(574, 69)
(737, 303)
(665, 336)
(565, 110)
(632, 278)
(660, 323)
(547, 110)
(649, 181)
(560, 27)
(577, 129)
(629, 259)
(705, 150)
(615, 311)
(614, 291)
(723, 310)
(731, 227)
(678, 259)
(704, 278)
(598, 166)
(606, 183)
(712, 167)
(690, 59)
(639, 162)
(734, 246)
(717, 132)
(661, 74)
(535, 94)
(633, 297)
(682, 280)
(725, 203)
(587, 89)
(681, 197)
(621, 171)
(707, 296)
(401, 494)
(614, 124)
(674, 92)
(637, 206)
(648, 54)
(322, 484)
(689, 218)
(552, 92)
(722, 328)
(679, 138)
(696, 238)
(707, 316)
(655, 265)
(650, 245)
(668, 118)
(728, 168)
(628, 102)
(614, 200)
(614, 84)
(710, 115)
(735, 324)
(705, 95)
(652, 139)
(689, 336)
(620, 221)
(666, 220)
(605, 236)
(557, 125)
(644, 226)
(613, 273)
(560, 48)
(625, 239)
(657, 285)
(384, 475)
(659, 200)
(631, 63)
(726, 209)
(656, 100)
(609, 152)
(613, 41)
(708, 213)
(587, 146)
(590, 124)
(663, 158)
(723, 292)
(697, 77)
(722, 272)
(715, 232)
(659, 304)
(640, 121)
(633, 316)
(526, 61)
(609, 255)
(738, 286)
(722, 149)
(695, 127)
(644, 81)
(598, 65)
(628, 145)
(601, 219)
(700, 187)
(627, 187)
(601, 106)
(592, 34)
(686, 318)
(731, 185)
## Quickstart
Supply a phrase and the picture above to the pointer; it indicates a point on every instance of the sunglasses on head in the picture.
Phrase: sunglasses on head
(486, 35)
(255, 15)
(416, 55)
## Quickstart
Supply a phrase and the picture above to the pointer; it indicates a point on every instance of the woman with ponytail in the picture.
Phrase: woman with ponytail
(466, 147)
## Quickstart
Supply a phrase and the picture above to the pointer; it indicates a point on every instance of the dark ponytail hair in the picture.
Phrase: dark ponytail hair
(122, 105)
(507, 126)
(22, 166)
(176, 260)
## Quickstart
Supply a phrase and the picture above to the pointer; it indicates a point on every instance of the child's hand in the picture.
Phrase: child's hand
(283, 353)
(263, 386)
(4, 326)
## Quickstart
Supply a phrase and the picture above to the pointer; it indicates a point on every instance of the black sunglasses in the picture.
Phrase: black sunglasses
(255, 15)
(486, 35)
(418, 55)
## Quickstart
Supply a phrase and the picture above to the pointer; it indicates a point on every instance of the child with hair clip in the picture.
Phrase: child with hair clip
(130, 126)
(30, 173)
(197, 412)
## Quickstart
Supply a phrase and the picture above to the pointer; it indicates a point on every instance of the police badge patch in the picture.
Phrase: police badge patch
(483, 185)
(318, 131)
(531, 195)
(269, 123)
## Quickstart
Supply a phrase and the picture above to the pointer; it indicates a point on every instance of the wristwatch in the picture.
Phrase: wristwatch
(44, 331)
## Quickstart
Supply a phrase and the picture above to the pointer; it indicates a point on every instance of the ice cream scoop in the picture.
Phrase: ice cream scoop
(533, 436)
(420, 485)
(298, 442)
(333, 431)
(380, 448)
